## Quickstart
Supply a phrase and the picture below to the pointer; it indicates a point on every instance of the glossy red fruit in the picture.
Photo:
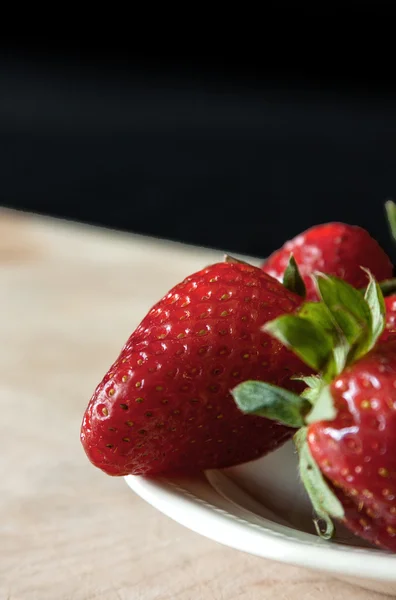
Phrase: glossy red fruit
(165, 403)
(333, 248)
(390, 322)
(357, 450)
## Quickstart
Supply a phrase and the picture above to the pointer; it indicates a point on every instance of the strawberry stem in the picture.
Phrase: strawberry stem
(388, 287)
(390, 209)
(233, 260)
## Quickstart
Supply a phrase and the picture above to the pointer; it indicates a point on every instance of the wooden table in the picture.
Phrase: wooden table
(69, 297)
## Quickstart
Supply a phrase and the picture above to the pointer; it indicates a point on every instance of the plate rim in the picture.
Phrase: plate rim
(225, 527)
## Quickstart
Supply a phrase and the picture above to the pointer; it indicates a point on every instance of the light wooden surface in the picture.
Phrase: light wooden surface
(69, 297)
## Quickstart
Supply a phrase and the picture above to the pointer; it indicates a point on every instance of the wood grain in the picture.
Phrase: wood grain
(69, 297)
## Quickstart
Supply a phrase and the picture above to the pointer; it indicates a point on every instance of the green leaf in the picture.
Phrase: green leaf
(352, 315)
(331, 334)
(318, 312)
(375, 300)
(347, 306)
(341, 352)
(312, 381)
(314, 385)
(323, 409)
(266, 400)
(338, 294)
(324, 501)
(306, 338)
(292, 279)
(390, 209)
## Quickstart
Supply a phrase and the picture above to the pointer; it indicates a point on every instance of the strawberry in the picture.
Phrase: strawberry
(390, 321)
(334, 248)
(165, 404)
(356, 450)
(347, 415)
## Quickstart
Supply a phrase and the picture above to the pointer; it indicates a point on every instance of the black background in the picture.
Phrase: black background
(219, 148)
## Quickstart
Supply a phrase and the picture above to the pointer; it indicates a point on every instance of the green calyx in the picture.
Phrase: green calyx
(266, 400)
(328, 336)
(292, 279)
(390, 210)
(324, 501)
(331, 334)
(269, 401)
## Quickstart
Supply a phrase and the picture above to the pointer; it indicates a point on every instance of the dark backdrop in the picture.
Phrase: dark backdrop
(231, 153)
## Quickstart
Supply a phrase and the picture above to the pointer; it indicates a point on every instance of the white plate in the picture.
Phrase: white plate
(261, 508)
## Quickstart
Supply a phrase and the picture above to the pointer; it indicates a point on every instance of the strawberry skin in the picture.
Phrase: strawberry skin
(333, 248)
(357, 450)
(165, 404)
(390, 320)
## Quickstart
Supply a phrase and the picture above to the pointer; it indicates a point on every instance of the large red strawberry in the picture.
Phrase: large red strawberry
(334, 248)
(347, 415)
(165, 403)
